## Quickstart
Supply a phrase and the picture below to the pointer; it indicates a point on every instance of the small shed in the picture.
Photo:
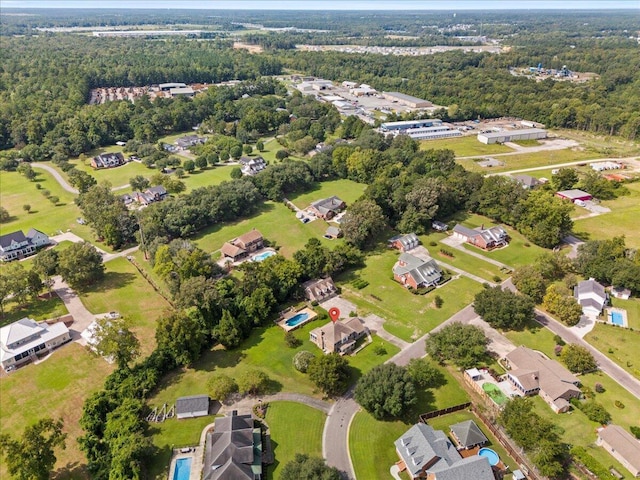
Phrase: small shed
(518, 475)
(468, 434)
(191, 407)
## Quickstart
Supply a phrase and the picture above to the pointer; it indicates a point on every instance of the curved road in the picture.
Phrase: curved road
(59, 178)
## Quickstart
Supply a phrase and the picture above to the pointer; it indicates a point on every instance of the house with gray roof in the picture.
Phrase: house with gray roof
(591, 296)
(25, 340)
(327, 208)
(233, 450)
(404, 243)
(428, 454)
(485, 238)
(16, 245)
(527, 181)
(621, 445)
(192, 407)
(532, 373)
(467, 435)
(339, 336)
(415, 272)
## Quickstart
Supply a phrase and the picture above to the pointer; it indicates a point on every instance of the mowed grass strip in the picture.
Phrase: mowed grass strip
(43, 308)
(464, 146)
(124, 290)
(294, 428)
(371, 441)
(619, 344)
(622, 220)
(55, 388)
(407, 316)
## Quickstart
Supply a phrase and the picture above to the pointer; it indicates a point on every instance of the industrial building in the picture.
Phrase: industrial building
(407, 100)
(512, 135)
(410, 124)
(182, 91)
(432, 133)
(165, 87)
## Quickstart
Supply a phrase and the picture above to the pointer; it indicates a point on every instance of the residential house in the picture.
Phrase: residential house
(591, 296)
(333, 232)
(468, 435)
(621, 293)
(150, 195)
(426, 453)
(439, 226)
(252, 166)
(485, 238)
(339, 336)
(107, 160)
(404, 243)
(415, 272)
(26, 339)
(16, 245)
(527, 181)
(188, 141)
(192, 407)
(531, 373)
(233, 449)
(622, 446)
(240, 247)
(327, 208)
(319, 290)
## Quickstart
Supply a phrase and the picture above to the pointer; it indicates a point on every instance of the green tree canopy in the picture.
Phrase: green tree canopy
(503, 308)
(386, 391)
(578, 359)
(80, 265)
(329, 373)
(304, 467)
(463, 345)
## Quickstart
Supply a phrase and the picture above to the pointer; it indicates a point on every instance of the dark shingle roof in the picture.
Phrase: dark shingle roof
(468, 433)
(17, 236)
(195, 403)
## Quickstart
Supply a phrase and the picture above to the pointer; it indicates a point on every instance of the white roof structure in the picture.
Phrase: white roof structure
(26, 334)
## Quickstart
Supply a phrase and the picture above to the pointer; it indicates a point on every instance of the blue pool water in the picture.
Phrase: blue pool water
(490, 454)
(297, 319)
(263, 256)
(183, 469)
(616, 319)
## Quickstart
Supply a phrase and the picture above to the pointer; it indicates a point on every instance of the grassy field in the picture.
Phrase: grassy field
(117, 176)
(43, 308)
(294, 428)
(531, 160)
(347, 190)
(55, 388)
(605, 144)
(370, 438)
(464, 146)
(408, 316)
(515, 255)
(632, 306)
(124, 290)
(622, 220)
(534, 336)
(276, 223)
(619, 344)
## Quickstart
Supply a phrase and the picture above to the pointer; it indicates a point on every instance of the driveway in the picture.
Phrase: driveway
(375, 324)
(345, 306)
(423, 253)
(59, 178)
(82, 317)
(574, 243)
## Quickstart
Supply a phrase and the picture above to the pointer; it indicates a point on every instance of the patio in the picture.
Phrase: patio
(293, 319)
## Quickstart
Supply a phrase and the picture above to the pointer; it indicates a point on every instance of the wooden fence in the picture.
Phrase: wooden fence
(437, 413)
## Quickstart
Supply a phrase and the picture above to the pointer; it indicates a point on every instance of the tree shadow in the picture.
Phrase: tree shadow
(71, 471)
(272, 386)
(218, 357)
(161, 458)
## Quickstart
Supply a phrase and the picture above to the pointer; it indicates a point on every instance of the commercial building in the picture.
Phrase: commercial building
(26, 340)
(575, 195)
(432, 133)
(182, 92)
(512, 135)
(410, 124)
(165, 87)
(407, 100)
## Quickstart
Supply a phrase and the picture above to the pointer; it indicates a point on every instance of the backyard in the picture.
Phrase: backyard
(407, 316)
(373, 439)
(619, 344)
(55, 388)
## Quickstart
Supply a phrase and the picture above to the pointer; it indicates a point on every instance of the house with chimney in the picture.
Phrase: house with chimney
(339, 336)
(484, 238)
(319, 289)
(413, 272)
(17, 245)
(404, 243)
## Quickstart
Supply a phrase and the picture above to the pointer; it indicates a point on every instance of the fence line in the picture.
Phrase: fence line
(149, 280)
(437, 413)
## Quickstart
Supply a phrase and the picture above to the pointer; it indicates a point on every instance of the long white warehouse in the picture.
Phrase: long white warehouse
(512, 135)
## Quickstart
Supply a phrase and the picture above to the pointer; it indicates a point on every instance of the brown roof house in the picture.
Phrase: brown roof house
(415, 272)
(320, 289)
(532, 373)
(485, 238)
(327, 208)
(428, 454)
(240, 247)
(338, 337)
(622, 446)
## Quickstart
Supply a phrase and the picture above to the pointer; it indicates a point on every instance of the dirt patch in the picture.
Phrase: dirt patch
(246, 46)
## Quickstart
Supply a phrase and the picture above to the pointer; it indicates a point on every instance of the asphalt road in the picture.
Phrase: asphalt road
(63, 183)
(617, 373)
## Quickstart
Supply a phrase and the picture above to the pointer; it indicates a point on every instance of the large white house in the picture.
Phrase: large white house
(25, 339)
(16, 245)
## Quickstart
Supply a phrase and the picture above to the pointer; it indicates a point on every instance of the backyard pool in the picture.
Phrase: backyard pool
(297, 319)
(183, 469)
(263, 256)
(492, 456)
(617, 319)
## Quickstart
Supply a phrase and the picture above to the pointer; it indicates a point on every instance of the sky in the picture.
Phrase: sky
(395, 5)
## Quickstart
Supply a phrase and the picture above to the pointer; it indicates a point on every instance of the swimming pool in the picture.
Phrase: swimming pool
(263, 256)
(492, 456)
(183, 469)
(617, 319)
(297, 319)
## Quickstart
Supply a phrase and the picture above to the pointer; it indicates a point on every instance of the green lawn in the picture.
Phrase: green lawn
(117, 176)
(276, 223)
(619, 344)
(632, 306)
(515, 255)
(271, 147)
(622, 219)
(173, 433)
(124, 290)
(534, 336)
(465, 146)
(55, 388)
(294, 428)
(370, 438)
(40, 309)
(408, 316)
(347, 190)
(531, 160)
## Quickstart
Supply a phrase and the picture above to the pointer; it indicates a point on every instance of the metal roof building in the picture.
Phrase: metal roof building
(512, 135)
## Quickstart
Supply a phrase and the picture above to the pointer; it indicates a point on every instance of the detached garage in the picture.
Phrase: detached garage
(575, 195)
(191, 407)
(512, 135)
